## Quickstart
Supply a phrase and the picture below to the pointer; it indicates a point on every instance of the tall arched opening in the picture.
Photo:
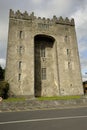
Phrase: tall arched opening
(43, 60)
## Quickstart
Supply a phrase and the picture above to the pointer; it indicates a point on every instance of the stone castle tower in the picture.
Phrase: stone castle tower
(42, 56)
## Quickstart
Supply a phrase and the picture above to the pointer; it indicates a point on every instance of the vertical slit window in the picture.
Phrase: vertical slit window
(66, 38)
(42, 51)
(21, 34)
(20, 63)
(19, 77)
(43, 73)
(69, 65)
(67, 51)
(20, 50)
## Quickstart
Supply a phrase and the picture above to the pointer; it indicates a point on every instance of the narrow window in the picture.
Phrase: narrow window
(69, 64)
(67, 51)
(19, 77)
(42, 51)
(21, 34)
(66, 38)
(20, 50)
(43, 73)
(20, 63)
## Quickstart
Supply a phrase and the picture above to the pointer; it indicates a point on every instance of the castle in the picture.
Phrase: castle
(42, 56)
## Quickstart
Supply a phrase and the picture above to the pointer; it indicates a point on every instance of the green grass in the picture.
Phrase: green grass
(43, 98)
(59, 98)
(14, 99)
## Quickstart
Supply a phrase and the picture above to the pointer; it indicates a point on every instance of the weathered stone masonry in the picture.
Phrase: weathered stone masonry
(42, 56)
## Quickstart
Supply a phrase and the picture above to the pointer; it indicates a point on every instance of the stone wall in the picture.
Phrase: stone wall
(40, 105)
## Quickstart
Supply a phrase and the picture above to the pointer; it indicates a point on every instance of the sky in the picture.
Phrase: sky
(76, 9)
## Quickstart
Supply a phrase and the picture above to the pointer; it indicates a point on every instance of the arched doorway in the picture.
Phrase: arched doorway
(43, 58)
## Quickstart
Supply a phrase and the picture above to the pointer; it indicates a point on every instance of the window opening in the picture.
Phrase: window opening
(69, 64)
(43, 73)
(21, 34)
(20, 50)
(20, 63)
(67, 51)
(66, 38)
(42, 51)
(19, 77)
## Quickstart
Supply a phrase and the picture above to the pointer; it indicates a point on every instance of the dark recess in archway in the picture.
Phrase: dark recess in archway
(39, 42)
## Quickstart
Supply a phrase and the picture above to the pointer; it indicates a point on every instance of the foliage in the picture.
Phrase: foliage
(4, 89)
(59, 98)
(2, 73)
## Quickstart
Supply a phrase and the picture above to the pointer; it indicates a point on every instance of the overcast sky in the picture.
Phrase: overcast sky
(76, 9)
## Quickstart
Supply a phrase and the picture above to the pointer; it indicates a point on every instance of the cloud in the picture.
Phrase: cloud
(84, 77)
(2, 62)
(80, 17)
(37, 2)
(58, 7)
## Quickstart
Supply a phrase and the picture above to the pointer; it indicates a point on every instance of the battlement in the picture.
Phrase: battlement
(55, 20)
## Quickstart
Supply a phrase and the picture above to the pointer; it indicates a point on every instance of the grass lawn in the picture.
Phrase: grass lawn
(16, 99)
(59, 98)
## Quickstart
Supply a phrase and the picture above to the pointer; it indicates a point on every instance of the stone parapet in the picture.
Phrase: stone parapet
(54, 20)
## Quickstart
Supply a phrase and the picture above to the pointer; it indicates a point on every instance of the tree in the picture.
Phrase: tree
(4, 85)
(4, 89)
(2, 71)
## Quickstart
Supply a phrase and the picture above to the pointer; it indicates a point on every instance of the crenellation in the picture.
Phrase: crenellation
(32, 16)
(54, 18)
(67, 20)
(39, 18)
(72, 21)
(44, 19)
(48, 19)
(19, 15)
(26, 16)
(11, 13)
(61, 19)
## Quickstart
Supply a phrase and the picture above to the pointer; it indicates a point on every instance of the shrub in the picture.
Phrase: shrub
(4, 89)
